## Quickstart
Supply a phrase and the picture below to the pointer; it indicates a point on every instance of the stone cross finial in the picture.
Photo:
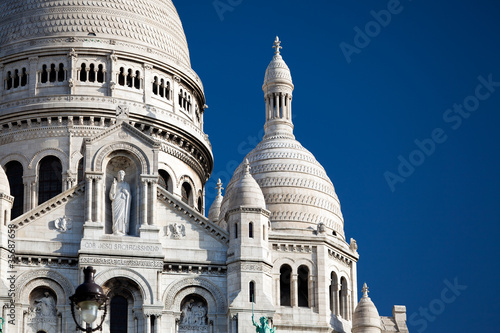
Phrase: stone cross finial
(365, 290)
(277, 46)
(219, 188)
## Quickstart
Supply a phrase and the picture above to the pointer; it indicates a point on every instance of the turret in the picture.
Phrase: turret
(248, 259)
(366, 318)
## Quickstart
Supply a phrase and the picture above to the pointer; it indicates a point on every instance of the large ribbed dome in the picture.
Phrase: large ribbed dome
(154, 24)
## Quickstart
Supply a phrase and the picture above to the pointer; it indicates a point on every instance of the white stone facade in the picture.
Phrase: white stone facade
(90, 88)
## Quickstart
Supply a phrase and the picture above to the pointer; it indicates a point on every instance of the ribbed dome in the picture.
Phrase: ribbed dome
(110, 24)
(296, 188)
(4, 182)
(246, 191)
(277, 70)
(365, 318)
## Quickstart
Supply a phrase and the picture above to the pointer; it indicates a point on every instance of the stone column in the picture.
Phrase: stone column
(113, 77)
(147, 320)
(88, 195)
(33, 195)
(154, 186)
(144, 205)
(175, 93)
(294, 291)
(282, 108)
(148, 81)
(1, 80)
(277, 105)
(99, 198)
(33, 77)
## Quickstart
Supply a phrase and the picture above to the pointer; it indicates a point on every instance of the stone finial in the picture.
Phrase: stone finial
(353, 245)
(219, 187)
(247, 166)
(277, 46)
(365, 290)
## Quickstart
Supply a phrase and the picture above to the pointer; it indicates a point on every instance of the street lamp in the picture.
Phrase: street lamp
(88, 299)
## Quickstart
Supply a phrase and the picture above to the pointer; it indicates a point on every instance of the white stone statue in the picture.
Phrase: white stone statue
(45, 306)
(120, 202)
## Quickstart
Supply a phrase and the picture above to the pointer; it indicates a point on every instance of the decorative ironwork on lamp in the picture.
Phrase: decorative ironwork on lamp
(88, 299)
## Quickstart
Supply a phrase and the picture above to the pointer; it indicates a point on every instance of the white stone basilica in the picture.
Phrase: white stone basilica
(105, 159)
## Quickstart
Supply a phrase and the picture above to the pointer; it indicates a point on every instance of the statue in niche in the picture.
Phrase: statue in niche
(120, 196)
(194, 314)
(45, 306)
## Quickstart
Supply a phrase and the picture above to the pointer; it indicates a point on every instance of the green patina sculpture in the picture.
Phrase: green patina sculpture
(1, 324)
(263, 327)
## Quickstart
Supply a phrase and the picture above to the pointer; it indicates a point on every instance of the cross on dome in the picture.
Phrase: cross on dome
(365, 290)
(277, 46)
(219, 187)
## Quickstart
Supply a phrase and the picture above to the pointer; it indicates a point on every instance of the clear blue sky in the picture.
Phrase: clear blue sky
(359, 109)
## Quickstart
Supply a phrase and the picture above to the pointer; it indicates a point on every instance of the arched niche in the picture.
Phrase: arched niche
(194, 314)
(114, 163)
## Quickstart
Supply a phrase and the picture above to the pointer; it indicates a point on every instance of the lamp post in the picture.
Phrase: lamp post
(88, 300)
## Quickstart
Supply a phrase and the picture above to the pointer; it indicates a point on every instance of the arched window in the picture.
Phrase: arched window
(303, 286)
(44, 77)
(333, 293)
(8, 81)
(83, 73)
(236, 230)
(164, 180)
(155, 85)
(100, 74)
(167, 91)
(16, 78)
(343, 298)
(61, 74)
(14, 171)
(285, 290)
(137, 80)
(53, 73)
(130, 79)
(118, 315)
(264, 232)
(24, 78)
(200, 204)
(92, 73)
(250, 230)
(49, 178)
(121, 77)
(180, 98)
(251, 291)
(79, 173)
(162, 87)
(186, 193)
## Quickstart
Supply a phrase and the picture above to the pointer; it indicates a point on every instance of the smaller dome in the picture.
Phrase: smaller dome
(365, 318)
(277, 71)
(214, 211)
(4, 182)
(246, 191)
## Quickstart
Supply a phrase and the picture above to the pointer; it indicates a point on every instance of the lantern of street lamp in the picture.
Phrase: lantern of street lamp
(88, 300)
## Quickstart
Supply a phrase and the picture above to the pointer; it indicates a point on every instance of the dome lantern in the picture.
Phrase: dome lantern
(278, 88)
